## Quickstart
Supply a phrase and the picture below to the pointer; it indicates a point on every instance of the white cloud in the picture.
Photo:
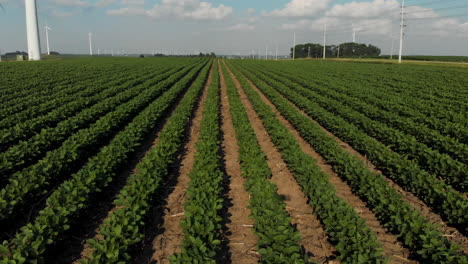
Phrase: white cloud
(182, 9)
(132, 2)
(364, 9)
(104, 3)
(300, 8)
(379, 17)
(250, 11)
(241, 27)
(127, 11)
(71, 3)
(60, 13)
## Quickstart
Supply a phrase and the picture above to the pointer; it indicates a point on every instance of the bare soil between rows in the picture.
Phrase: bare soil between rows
(452, 234)
(242, 240)
(314, 240)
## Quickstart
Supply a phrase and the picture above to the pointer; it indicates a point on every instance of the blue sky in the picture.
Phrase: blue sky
(237, 26)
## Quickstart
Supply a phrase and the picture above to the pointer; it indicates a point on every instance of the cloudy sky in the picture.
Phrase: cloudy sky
(237, 26)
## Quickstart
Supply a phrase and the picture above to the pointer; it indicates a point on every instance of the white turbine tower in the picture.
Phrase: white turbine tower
(90, 36)
(34, 46)
(294, 47)
(354, 33)
(47, 28)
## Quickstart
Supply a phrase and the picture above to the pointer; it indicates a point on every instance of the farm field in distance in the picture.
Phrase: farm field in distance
(204, 160)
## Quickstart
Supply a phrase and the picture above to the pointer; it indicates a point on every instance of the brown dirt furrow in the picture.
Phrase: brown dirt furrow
(167, 242)
(103, 206)
(392, 248)
(452, 234)
(150, 142)
(242, 239)
(313, 238)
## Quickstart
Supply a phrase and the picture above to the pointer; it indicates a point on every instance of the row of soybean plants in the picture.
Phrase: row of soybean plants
(124, 226)
(65, 99)
(414, 230)
(57, 164)
(370, 89)
(449, 203)
(33, 105)
(72, 196)
(202, 222)
(19, 80)
(358, 96)
(21, 126)
(353, 240)
(278, 241)
(454, 172)
(430, 87)
(23, 99)
(24, 153)
(46, 77)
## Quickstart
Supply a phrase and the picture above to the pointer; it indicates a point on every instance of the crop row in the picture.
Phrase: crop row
(40, 87)
(409, 225)
(420, 131)
(278, 241)
(123, 228)
(29, 151)
(73, 195)
(352, 238)
(27, 100)
(37, 179)
(24, 129)
(358, 86)
(202, 221)
(441, 197)
(66, 98)
(443, 166)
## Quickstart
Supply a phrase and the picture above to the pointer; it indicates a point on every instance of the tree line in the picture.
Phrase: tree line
(350, 49)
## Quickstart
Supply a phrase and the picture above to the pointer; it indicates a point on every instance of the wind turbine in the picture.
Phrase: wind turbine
(354, 32)
(90, 36)
(34, 46)
(47, 28)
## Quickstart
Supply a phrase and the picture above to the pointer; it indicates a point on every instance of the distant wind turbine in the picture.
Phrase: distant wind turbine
(47, 28)
(90, 36)
(354, 32)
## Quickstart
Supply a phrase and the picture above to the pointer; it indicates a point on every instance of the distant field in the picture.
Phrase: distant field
(198, 160)
(438, 58)
(428, 58)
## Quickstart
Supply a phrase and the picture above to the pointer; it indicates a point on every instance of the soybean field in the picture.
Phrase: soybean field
(204, 160)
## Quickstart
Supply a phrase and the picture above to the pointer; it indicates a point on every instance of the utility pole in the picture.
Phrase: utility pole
(338, 55)
(308, 52)
(402, 25)
(266, 52)
(90, 35)
(294, 47)
(324, 41)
